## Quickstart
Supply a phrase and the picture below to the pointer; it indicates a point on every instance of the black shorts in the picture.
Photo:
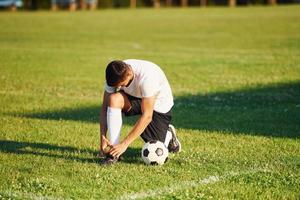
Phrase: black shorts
(157, 128)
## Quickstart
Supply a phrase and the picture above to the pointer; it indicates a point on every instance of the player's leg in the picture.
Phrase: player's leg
(116, 103)
(119, 100)
(161, 129)
(174, 145)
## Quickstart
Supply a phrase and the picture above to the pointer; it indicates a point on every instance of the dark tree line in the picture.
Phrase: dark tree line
(81, 4)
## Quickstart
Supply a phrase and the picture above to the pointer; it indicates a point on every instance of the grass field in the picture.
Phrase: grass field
(235, 74)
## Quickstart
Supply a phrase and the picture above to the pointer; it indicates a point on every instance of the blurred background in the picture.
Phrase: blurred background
(99, 4)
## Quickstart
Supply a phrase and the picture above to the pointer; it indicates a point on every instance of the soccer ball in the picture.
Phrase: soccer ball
(155, 152)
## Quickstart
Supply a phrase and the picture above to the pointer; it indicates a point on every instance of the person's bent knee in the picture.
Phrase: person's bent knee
(116, 100)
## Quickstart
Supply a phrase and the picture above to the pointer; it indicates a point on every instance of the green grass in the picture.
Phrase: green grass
(235, 74)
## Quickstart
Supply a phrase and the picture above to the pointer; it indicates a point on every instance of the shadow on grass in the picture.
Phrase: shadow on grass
(61, 152)
(271, 110)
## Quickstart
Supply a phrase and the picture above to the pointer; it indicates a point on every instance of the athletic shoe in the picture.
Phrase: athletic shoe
(174, 145)
(109, 160)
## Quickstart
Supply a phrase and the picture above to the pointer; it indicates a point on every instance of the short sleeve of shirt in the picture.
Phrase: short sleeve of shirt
(149, 88)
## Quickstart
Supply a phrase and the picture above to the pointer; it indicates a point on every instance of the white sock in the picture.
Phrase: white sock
(168, 138)
(114, 124)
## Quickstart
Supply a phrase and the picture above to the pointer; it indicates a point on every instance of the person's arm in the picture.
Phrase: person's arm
(103, 124)
(138, 129)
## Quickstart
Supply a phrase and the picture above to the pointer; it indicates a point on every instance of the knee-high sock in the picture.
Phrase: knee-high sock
(114, 124)
(168, 138)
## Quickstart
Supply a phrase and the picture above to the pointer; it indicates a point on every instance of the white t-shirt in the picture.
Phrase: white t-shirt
(149, 80)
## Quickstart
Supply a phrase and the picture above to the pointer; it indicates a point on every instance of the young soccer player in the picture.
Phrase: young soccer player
(135, 87)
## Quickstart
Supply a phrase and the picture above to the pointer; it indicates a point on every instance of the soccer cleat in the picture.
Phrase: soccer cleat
(109, 160)
(174, 145)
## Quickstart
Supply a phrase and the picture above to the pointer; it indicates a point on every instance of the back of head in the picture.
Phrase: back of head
(116, 72)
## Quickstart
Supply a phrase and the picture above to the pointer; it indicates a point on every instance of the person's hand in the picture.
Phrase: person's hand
(117, 150)
(104, 147)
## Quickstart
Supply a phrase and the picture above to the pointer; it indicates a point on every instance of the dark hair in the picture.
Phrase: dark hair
(116, 72)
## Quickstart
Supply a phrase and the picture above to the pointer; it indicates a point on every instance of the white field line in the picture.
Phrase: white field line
(185, 185)
(25, 195)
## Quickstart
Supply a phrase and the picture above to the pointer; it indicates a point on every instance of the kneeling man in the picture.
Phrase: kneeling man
(136, 87)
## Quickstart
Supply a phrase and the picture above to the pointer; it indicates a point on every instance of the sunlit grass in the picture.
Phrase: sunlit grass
(235, 75)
